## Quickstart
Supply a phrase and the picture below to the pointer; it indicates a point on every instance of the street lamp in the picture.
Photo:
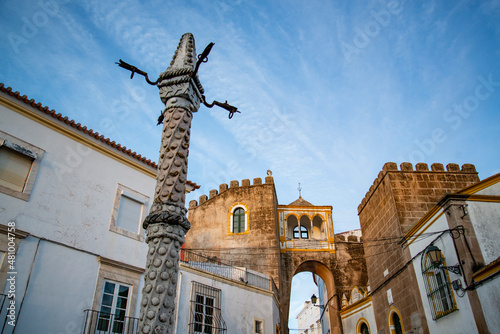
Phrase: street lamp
(436, 258)
(314, 299)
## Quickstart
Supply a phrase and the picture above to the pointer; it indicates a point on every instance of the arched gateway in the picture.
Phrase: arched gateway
(244, 226)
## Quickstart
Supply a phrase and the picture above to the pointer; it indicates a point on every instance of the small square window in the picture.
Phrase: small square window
(19, 164)
(259, 326)
(129, 210)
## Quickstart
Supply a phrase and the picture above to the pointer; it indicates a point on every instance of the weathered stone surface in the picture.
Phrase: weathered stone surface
(167, 223)
(397, 201)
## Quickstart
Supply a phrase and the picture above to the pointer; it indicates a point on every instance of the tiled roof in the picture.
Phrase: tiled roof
(301, 202)
(64, 119)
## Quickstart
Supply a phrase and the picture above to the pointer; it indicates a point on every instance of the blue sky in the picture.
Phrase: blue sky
(329, 90)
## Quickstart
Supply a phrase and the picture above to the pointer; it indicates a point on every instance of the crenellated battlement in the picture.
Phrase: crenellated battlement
(407, 167)
(232, 185)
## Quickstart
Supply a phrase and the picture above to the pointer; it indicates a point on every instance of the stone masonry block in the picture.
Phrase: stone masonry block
(257, 180)
(234, 184)
(452, 168)
(203, 199)
(212, 193)
(223, 187)
(470, 168)
(436, 167)
(422, 167)
(193, 204)
(245, 183)
(390, 166)
(269, 179)
(406, 166)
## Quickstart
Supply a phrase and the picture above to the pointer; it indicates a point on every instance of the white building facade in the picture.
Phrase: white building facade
(461, 290)
(72, 246)
(308, 319)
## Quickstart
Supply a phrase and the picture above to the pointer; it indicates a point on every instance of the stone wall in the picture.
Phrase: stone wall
(397, 199)
(209, 234)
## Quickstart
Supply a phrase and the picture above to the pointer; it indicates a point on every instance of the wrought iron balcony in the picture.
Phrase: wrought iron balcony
(103, 323)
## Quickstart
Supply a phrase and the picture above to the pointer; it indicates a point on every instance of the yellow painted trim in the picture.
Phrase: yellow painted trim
(425, 228)
(422, 221)
(230, 218)
(489, 270)
(392, 310)
(360, 303)
(75, 136)
(360, 322)
(484, 198)
(292, 214)
(481, 185)
(430, 286)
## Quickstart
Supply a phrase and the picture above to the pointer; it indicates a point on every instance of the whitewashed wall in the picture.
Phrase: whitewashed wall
(71, 204)
(462, 320)
(351, 319)
(73, 196)
(240, 305)
(485, 217)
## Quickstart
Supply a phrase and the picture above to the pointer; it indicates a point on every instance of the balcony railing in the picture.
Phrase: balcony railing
(214, 265)
(106, 323)
(316, 244)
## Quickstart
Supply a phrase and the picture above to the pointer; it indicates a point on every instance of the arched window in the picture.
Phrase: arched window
(437, 283)
(362, 326)
(238, 220)
(395, 323)
(304, 234)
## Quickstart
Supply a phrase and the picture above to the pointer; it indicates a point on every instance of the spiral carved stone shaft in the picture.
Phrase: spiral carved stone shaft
(167, 224)
(169, 202)
(158, 303)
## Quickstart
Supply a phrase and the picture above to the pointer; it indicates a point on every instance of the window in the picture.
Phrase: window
(395, 323)
(116, 290)
(259, 326)
(238, 219)
(304, 234)
(364, 329)
(113, 308)
(437, 284)
(19, 164)
(205, 310)
(129, 210)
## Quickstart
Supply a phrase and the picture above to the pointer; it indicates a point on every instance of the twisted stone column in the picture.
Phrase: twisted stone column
(167, 224)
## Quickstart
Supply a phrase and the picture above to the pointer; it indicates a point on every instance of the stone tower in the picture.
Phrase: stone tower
(397, 199)
(243, 225)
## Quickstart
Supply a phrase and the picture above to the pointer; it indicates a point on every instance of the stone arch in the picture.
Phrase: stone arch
(323, 271)
(305, 221)
(291, 221)
(318, 228)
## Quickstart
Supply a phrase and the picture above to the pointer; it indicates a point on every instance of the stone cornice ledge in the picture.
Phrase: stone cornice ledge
(120, 265)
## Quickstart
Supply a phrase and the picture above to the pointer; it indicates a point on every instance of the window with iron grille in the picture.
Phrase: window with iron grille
(437, 284)
(205, 310)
